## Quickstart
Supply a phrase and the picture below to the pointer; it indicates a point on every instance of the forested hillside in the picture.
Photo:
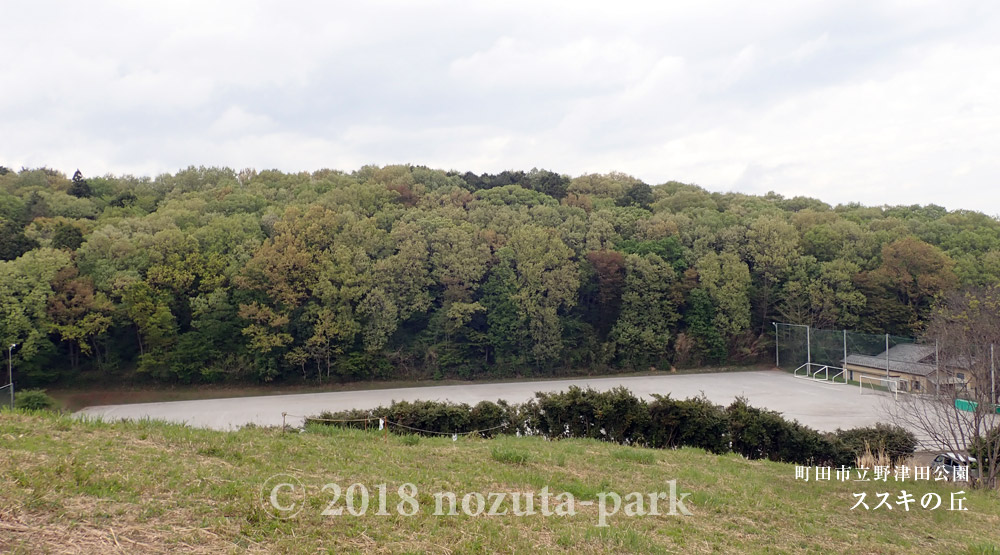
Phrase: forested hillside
(404, 271)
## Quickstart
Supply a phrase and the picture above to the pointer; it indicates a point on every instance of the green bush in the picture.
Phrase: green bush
(432, 418)
(898, 442)
(615, 415)
(492, 419)
(689, 423)
(764, 434)
(354, 418)
(424, 417)
(34, 399)
(620, 417)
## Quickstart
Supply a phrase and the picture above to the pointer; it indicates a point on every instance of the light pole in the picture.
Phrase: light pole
(10, 373)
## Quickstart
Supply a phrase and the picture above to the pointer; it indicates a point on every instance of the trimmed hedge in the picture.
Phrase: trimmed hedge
(432, 418)
(764, 434)
(615, 415)
(693, 422)
(620, 417)
(897, 442)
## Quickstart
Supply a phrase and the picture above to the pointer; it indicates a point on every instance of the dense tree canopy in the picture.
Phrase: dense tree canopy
(211, 274)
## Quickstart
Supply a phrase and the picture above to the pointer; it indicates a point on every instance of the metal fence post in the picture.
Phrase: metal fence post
(845, 355)
(937, 370)
(808, 353)
(777, 361)
(887, 356)
(10, 373)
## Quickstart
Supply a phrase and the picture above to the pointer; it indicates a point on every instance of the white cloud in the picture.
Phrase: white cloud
(587, 63)
(882, 102)
(237, 121)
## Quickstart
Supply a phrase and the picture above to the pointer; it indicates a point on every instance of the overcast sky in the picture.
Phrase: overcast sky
(876, 102)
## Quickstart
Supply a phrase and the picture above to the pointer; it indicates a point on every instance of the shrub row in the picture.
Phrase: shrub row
(619, 416)
(487, 419)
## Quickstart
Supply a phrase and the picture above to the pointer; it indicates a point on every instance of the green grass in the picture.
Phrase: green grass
(90, 486)
(409, 439)
(508, 455)
(639, 456)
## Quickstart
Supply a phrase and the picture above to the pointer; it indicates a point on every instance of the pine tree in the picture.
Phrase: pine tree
(80, 188)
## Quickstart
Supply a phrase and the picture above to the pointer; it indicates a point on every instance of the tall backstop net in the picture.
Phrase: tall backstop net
(790, 346)
(886, 362)
(801, 347)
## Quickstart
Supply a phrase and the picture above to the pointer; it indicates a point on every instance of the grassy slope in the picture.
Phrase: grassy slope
(99, 487)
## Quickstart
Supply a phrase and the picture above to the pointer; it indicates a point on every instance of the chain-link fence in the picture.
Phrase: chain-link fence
(884, 361)
(5, 397)
(802, 346)
(791, 345)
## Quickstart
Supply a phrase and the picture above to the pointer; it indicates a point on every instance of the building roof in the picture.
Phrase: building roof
(947, 380)
(911, 352)
(905, 358)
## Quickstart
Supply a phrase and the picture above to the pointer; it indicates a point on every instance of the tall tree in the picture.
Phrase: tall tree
(726, 278)
(547, 282)
(772, 249)
(13, 241)
(79, 314)
(25, 287)
(901, 291)
(80, 188)
(504, 322)
(644, 330)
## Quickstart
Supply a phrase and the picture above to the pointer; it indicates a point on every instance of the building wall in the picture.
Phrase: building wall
(909, 382)
(912, 381)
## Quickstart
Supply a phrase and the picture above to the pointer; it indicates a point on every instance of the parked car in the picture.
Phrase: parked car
(948, 462)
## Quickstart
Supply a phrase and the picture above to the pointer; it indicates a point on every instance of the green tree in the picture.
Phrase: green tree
(78, 313)
(504, 321)
(547, 282)
(901, 291)
(80, 188)
(772, 249)
(13, 242)
(156, 328)
(700, 321)
(25, 287)
(639, 194)
(644, 330)
(66, 236)
(726, 278)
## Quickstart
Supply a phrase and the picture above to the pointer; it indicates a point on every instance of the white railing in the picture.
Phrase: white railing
(806, 375)
(820, 375)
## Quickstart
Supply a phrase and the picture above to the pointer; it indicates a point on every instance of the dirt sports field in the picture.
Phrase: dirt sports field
(821, 406)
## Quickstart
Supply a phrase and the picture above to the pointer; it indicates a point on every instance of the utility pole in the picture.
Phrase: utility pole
(993, 377)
